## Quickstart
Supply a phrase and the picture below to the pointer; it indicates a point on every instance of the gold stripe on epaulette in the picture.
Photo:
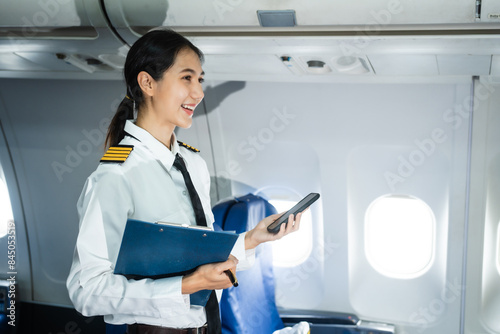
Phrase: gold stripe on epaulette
(189, 147)
(118, 153)
(116, 149)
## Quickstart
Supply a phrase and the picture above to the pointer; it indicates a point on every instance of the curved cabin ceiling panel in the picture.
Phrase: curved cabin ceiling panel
(51, 18)
(131, 19)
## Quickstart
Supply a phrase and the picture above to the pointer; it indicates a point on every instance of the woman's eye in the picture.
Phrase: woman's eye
(187, 77)
(201, 80)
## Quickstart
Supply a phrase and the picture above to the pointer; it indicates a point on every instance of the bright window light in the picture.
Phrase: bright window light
(498, 248)
(5, 208)
(296, 247)
(399, 236)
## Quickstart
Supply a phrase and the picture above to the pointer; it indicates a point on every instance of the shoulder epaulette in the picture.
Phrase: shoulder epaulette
(117, 153)
(189, 147)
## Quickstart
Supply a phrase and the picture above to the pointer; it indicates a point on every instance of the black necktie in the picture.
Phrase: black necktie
(212, 307)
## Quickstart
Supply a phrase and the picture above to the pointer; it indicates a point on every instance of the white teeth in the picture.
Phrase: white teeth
(187, 107)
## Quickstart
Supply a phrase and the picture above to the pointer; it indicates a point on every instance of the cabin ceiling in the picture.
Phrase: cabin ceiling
(325, 40)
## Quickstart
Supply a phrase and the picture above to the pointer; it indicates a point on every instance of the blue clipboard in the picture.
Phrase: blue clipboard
(155, 250)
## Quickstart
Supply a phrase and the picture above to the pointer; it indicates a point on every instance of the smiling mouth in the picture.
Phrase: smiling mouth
(189, 109)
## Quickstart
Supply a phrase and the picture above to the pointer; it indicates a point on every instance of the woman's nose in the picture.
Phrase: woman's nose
(197, 92)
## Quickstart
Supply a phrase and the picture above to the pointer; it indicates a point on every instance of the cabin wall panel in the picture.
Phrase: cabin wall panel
(339, 122)
(55, 132)
(483, 273)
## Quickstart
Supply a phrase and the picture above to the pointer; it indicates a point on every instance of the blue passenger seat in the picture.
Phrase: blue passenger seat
(249, 308)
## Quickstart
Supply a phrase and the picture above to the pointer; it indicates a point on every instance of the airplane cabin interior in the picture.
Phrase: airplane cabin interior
(389, 109)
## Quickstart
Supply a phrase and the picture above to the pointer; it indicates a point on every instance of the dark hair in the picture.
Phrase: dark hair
(154, 53)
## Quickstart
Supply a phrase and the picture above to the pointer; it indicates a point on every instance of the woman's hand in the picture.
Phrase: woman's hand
(260, 234)
(209, 276)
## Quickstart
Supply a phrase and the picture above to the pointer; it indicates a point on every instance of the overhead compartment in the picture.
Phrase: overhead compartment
(200, 16)
(45, 18)
(322, 13)
(130, 18)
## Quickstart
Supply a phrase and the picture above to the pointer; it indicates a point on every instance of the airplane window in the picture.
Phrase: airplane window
(5, 209)
(498, 248)
(399, 236)
(296, 247)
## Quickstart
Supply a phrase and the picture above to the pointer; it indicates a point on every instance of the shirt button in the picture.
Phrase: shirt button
(184, 193)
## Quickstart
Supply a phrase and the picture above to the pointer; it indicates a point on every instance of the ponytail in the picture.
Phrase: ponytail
(116, 129)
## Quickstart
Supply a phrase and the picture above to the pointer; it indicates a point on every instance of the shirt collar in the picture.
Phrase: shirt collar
(160, 151)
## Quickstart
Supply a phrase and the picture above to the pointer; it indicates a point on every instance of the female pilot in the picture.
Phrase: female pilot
(163, 76)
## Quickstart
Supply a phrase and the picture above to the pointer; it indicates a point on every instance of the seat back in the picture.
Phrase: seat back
(250, 307)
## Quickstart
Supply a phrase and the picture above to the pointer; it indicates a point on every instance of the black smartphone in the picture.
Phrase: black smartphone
(299, 207)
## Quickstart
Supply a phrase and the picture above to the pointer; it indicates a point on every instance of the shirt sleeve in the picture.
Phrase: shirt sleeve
(246, 258)
(103, 207)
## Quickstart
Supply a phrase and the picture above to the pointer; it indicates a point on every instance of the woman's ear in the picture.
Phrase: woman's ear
(146, 82)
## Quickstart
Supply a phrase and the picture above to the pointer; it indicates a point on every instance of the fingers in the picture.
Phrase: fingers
(270, 219)
(230, 264)
(292, 225)
(296, 224)
(228, 270)
(260, 234)
(210, 276)
(275, 216)
(215, 276)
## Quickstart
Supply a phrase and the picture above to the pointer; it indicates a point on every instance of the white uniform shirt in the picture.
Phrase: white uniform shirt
(145, 187)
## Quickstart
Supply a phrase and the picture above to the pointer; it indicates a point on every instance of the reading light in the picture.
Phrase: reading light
(318, 67)
(316, 63)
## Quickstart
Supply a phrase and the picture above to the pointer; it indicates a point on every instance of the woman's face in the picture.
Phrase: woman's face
(176, 95)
